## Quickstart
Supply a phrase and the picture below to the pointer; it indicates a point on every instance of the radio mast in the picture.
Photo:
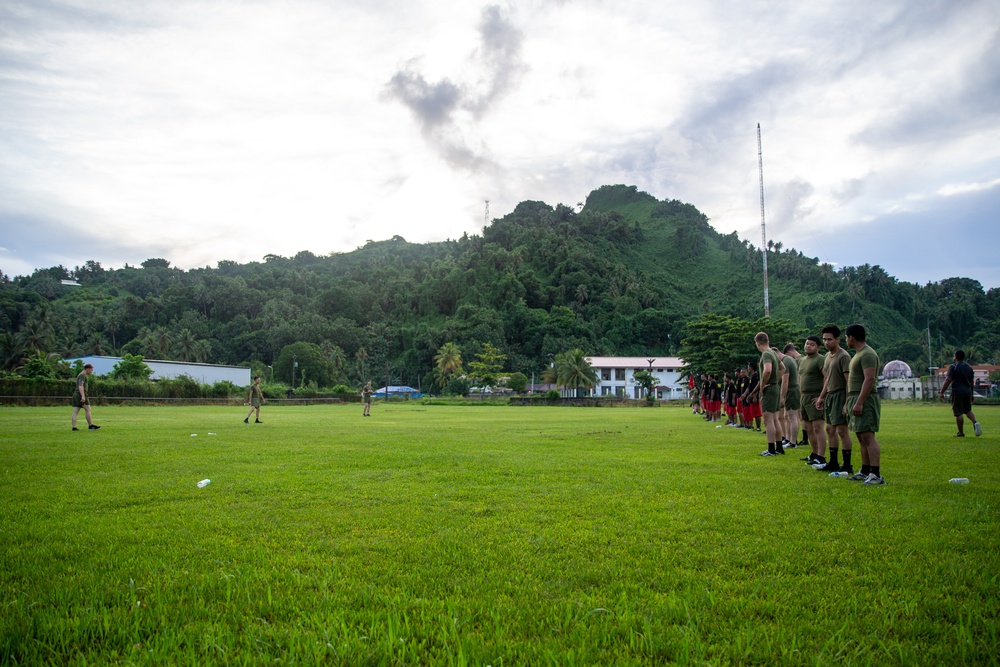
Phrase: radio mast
(486, 216)
(763, 228)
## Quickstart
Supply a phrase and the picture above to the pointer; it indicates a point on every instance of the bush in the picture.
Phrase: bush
(552, 395)
(223, 389)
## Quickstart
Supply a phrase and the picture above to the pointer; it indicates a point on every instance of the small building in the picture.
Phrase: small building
(898, 383)
(168, 370)
(616, 376)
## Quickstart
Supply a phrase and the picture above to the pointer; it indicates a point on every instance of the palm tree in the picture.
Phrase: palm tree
(449, 362)
(362, 356)
(186, 343)
(574, 372)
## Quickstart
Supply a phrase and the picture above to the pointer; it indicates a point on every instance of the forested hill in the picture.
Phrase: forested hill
(620, 277)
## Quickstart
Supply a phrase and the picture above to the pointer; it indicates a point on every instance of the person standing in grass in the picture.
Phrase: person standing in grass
(366, 396)
(960, 378)
(811, 384)
(791, 351)
(770, 393)
(832, 399)
(863, 405)
(80, 399)
(256, 399)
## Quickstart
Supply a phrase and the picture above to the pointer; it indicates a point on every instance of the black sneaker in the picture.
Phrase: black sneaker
(246, 421)
(809, 458)
(93, 427)
(789, 445)
(257, 421)
(75, 428)
(848, 469)
(830, 467)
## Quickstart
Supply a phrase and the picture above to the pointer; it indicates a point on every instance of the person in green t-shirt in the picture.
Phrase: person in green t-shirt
(789, 398)
(832, 401)
(769, 391)
(255, 399)
(811, 384)
(80, 399)
(863, 405)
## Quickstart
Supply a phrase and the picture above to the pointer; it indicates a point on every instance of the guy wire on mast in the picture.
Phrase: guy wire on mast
(763, 229)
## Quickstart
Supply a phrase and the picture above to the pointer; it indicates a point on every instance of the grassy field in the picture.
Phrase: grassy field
(460, 535)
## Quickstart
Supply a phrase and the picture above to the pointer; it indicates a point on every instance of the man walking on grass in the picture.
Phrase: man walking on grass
(770, 393)
(255, 399)
(864, 406)
(811, 384)
(960, 378)
(80, 399)
(832, 400)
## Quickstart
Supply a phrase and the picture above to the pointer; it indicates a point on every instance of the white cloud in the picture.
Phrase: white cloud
(224, 130)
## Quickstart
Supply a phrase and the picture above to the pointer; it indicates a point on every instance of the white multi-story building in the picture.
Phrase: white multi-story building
(615, 376)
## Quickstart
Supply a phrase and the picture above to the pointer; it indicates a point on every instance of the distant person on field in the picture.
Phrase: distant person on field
(864, 406)
(770, 393)
(256, 399)
(366, 396)
(833, 398)
(80, 398)
(960, 376)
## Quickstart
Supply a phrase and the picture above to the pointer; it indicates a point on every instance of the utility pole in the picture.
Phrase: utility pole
(763, 229)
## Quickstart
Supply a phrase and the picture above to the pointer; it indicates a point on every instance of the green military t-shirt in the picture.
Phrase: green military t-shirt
(864, 358)
(793, 371)
(834, 368)
(811, 374)
(775, 377)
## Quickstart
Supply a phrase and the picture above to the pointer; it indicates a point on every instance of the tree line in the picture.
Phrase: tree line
(625, 275)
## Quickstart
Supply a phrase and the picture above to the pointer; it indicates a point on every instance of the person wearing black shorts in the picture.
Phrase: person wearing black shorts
(960, 379)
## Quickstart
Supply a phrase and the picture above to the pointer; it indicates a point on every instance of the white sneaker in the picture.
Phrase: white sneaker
(767, 453)
(873, 480)
(977, 428)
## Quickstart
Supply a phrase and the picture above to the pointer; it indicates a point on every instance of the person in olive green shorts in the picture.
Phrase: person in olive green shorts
(366, 396)
(864, 406)
(80, 400)
(770, 393)
(811, 384)
(790, 398)
(832, 400)
(255, 399)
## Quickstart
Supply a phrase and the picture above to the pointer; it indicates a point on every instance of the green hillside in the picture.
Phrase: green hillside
(621, 276)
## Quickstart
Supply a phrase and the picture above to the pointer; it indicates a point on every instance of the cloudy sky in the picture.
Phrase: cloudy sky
(223, 129)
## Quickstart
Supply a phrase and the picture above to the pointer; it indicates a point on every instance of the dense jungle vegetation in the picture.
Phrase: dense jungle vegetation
(623, 276)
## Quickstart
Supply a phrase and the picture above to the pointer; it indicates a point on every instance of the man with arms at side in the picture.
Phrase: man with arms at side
(863, 405)
(80, 399)
(811, 384)
(960, 377)
(790, 397)
(770, 393)
(255, 399)
(832, 400)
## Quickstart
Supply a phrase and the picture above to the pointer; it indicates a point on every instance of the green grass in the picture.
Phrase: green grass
(487, 535)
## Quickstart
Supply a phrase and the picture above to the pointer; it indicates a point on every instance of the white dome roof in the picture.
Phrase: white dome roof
(897, 369)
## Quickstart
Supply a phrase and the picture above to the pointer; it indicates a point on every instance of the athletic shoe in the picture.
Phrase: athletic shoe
(857, 477)
(808, 458)
(75, 428)
(828, 467)
(781, 452)
(816, 463)
(874, 480)
(767, 453)
(257, 421)
(977, 428)
(848, 469)
(246, 421)
(93, 427)
(959, 435)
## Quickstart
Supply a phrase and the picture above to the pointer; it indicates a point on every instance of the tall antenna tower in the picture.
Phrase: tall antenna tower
(763, 228)
(486, 217)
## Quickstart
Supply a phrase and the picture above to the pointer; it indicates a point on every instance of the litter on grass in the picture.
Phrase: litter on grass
(203, 483)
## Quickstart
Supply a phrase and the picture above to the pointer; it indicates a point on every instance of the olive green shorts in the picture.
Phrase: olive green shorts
(770, 399)
(808, 411)
(793, 398)
(871, 412)
(833, 408)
